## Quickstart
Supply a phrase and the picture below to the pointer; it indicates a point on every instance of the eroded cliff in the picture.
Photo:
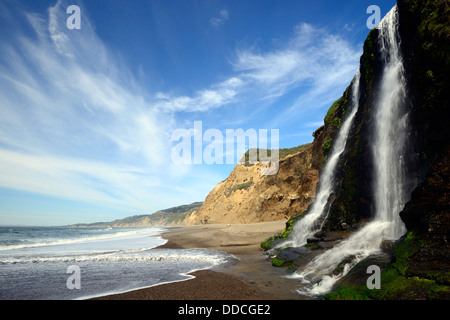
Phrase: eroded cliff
(247, 196)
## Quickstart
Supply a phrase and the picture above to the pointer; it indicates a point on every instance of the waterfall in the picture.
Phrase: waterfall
(391, 130)
(391, 190)
(309, 224)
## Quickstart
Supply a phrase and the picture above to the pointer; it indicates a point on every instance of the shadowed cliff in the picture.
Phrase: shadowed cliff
(418, 264)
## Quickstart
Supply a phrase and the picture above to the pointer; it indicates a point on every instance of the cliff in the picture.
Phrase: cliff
(425, 32)
(246, 196)
(427, 217)
(418, 266)
(425, 29)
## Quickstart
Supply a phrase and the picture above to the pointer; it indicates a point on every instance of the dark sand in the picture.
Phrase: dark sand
(252, 278)
(207, 285)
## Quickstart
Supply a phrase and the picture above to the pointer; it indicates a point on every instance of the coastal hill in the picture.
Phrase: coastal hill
(166, 217)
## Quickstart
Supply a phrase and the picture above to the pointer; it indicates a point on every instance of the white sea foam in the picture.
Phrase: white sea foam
(144, 254)
(42, 242)
(110, 261)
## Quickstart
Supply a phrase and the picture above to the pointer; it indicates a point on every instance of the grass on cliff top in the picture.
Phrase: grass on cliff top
(282, 153)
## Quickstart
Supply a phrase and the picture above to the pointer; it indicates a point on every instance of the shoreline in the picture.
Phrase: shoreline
(251, 278)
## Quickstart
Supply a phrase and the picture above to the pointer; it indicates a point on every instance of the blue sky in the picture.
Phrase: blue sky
(86, 116)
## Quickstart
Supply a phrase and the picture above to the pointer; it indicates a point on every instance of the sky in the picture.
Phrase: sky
(88, 114)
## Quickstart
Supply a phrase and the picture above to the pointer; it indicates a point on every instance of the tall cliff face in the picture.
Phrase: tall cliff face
(424, 250)
(424, 31)
(427, 217)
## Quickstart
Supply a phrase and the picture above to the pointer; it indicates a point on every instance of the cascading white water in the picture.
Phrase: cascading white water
(390, 187)
(308, 225)
(391, 131)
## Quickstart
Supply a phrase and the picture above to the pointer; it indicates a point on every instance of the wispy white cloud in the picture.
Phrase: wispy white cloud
(218, 95)
(221, 19)
(313, 57)
(72, 124)
(70, 178)
(314, 63)
(348, 27)
(60, 86)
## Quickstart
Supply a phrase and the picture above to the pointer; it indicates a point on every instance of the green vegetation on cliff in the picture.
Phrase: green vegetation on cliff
(395, 284)
(242, 186)
(336, 112)
(326, 148)
(419, 268)
(353, 195)
(282, 153)
(269, 242)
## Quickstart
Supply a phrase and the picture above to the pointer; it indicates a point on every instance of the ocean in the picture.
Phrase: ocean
(53, 263)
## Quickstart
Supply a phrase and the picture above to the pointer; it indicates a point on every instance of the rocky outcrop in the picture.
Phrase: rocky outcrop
(425, 33)
(427, 215)
(416, 266)
(425, 30)
(246, 196)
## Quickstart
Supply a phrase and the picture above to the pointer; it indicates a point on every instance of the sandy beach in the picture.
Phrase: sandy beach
(251, 278)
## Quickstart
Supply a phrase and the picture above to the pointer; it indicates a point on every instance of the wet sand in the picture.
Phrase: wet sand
(251, 278)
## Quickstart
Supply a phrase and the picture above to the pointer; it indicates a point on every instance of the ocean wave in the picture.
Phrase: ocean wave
(22, 244)
(138, 255)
